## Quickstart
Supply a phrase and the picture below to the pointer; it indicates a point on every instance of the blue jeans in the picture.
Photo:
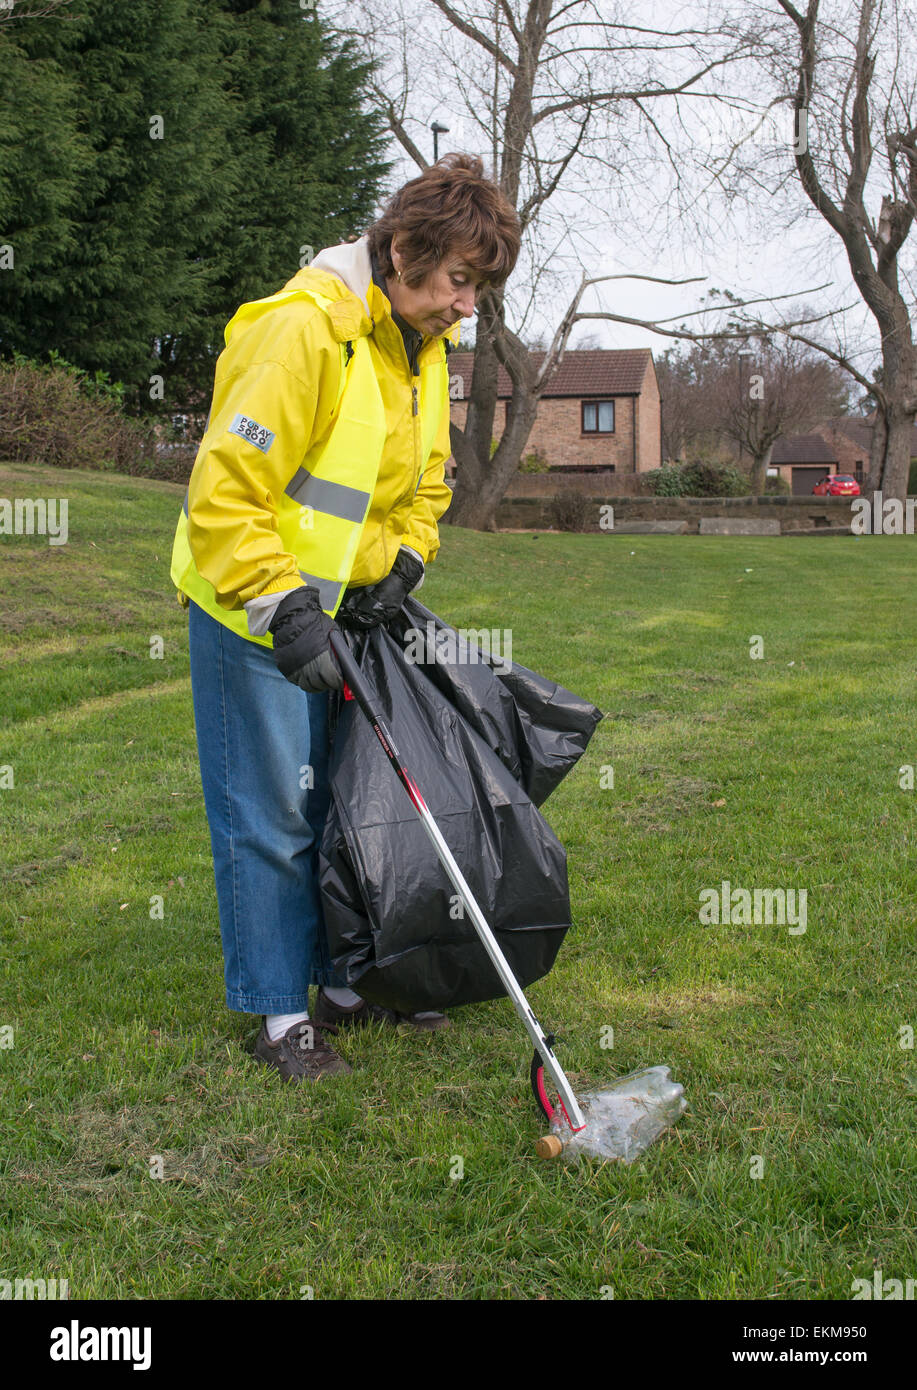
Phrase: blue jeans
(258, 736)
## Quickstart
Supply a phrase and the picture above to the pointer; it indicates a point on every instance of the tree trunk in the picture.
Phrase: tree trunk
(480, 487)
(482, 402)
(477, 507)
(471, 446)
(759, 466)
(892, 435)
(890, 455)
(877, 282)
(481, 481)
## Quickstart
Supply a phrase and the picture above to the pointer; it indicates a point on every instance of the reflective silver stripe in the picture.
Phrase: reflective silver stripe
(184, 505)
(328, 589)
(335, 499)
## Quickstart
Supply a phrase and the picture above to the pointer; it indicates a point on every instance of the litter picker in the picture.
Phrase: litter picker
(357, 688)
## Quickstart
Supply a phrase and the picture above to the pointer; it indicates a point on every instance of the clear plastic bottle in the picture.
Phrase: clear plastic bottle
(625, 1118)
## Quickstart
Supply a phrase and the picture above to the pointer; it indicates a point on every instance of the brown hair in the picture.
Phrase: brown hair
(451, 208)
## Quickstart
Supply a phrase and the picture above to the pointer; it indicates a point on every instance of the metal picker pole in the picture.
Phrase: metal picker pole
(354, 680)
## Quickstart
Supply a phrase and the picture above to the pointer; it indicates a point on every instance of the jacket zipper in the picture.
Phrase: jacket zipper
(416, 423)
(414, 414)
(415, 411)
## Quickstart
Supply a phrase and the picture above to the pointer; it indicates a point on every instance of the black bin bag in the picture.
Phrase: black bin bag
(485, 746)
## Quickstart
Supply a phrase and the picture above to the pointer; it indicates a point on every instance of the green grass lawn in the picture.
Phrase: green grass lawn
(781, 772)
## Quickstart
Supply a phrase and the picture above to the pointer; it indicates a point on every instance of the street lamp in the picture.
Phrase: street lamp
(743, 355)
(437, 130)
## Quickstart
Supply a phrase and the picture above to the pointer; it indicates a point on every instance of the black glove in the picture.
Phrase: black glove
(378, 603)
(301, 632)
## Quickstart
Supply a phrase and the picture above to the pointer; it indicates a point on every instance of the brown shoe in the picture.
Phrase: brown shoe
(327, 1012)
(302, 1053)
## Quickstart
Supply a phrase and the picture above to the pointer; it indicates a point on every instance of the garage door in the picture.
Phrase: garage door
(805, 478)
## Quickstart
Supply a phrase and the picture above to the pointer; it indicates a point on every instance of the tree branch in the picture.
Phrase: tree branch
(511, 21)
(901, 214)
(871, 386)
(752, 329)
(397, 128)
(718, 308)
(805, 84)
(862, 141)
(542, 194)
(555, 353)
(644, 93)
(471, 32)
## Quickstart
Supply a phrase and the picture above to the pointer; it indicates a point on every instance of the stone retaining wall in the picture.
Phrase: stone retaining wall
(796, 515)
(528, 485)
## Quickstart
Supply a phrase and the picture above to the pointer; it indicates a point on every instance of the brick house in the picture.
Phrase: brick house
(802, 460)
(838, 445)
(601, 411)
(850, 440)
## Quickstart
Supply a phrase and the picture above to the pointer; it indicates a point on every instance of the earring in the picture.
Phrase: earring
(399, 277)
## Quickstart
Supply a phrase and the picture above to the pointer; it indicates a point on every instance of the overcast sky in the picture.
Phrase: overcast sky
(604, 218)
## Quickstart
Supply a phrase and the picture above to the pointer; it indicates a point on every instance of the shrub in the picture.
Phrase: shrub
(715, 480)
(535, 462)
(666, 482)
(698, 480)
(53, 413)
(570, 511)
(777, 485)
(173, 462)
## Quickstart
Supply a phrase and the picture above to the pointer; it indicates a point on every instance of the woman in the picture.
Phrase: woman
(316, 493)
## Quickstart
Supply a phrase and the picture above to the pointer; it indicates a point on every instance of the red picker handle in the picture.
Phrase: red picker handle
(355, 688)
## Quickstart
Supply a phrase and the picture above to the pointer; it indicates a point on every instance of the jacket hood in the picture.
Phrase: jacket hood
(343, 274)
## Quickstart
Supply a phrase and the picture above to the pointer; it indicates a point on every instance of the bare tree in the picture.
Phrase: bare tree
(773, 389)
(849, 78)
(690, 385)
(749, 392)
(836, 182)
(562, 96)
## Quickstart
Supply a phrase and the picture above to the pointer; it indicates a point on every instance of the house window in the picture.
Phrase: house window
(598, 417)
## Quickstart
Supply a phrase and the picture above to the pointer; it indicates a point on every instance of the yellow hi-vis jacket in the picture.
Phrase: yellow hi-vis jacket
(323, 453)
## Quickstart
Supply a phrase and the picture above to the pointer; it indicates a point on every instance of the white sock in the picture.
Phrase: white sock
(278, 1024)
(344, 998)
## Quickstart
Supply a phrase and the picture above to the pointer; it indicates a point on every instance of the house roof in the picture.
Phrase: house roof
(802, 448)
(859, 429)
(583, 372)
(856, 428)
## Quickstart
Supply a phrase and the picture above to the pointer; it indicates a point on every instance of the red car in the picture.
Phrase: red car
(841, 485)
